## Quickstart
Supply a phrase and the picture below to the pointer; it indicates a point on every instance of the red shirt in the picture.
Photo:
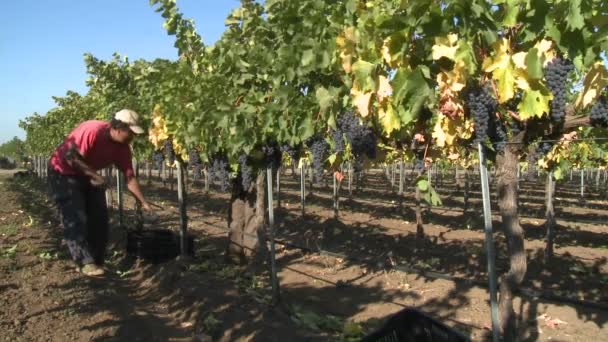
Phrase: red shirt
(92, 140)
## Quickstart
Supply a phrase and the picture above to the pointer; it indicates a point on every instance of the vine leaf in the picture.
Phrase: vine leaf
(535, 102)
(595, 80)
(389, 119)
(502, 68)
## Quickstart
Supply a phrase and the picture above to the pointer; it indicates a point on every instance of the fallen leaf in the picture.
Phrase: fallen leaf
(552, 323)
(186, 324)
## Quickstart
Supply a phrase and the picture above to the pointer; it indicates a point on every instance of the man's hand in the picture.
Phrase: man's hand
(149, 216)
(98, 181)
(146, 206)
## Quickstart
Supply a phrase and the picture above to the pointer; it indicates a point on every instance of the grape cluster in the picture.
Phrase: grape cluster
(272, 155)
(338, 137)
(195, 162)
(514, 127)
(544, 148)
(556, 75)
(292, 152)
(219, 171)
(246, 171)
(169, 151)
(540, 151)
(360, 137)
(482, 106)
(599, 113)
(358, 165)
(498, 134)
(158, 158)
(319, 148)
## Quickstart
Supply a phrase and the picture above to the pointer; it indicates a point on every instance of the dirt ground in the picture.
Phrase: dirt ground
(370, 265)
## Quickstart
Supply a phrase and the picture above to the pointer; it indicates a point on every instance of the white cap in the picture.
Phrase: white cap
(130, 118)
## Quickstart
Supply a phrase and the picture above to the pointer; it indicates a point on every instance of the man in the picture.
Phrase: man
(78, 190)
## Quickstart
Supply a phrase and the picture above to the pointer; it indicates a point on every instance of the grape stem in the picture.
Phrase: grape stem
(514, 115)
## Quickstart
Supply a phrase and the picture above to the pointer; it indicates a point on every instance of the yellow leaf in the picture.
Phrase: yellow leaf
(384, 88)
(502, 68)
(521, 79)
(386, 53)
(519, 59)
(157, 133)
(447, 129)
(501, 58)
(438, 133)
(505, 78)
(455, 80)
(346, 43)
(534, 103)
(543, 46)
(445, 47)
(347, 62)
(361, 101)
(595, 81)
(390, 121)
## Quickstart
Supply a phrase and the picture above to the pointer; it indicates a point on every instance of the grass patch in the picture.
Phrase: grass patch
(9, 229)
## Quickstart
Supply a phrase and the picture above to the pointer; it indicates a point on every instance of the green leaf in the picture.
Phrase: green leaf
(332, 158)
(534, 64)
(307, 57)
(410, 91)
(422, 184)
(324, 98)
(405, 115)
(465, 54)
(511, 13)
(364, 75)
(574, 18)
(558, 173)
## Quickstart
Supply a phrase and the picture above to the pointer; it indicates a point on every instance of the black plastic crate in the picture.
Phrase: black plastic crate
(156, 245)
(410, 325)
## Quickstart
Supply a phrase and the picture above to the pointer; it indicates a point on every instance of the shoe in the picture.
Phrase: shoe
(92, 270)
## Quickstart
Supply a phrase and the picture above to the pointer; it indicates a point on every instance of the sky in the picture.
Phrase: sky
(42, 44)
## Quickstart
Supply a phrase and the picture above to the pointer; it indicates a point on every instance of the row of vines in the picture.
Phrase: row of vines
(364, 81)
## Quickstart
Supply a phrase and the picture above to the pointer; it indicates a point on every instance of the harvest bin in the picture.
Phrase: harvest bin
(410, 325)
(156, 245)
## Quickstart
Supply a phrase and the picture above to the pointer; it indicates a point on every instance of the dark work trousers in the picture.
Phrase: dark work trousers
(84, 215)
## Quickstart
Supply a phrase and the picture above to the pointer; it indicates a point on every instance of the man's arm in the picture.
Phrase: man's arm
(75, 160)
(134, 188)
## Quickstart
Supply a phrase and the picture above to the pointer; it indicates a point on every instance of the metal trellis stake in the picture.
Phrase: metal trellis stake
(302, 186)
(183, 218)
(487, 214)
(276, 296)
(582, 183)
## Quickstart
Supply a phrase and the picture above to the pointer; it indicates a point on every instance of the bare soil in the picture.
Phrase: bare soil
(339, 277)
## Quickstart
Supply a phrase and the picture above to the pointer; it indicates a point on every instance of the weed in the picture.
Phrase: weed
(10, 253)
